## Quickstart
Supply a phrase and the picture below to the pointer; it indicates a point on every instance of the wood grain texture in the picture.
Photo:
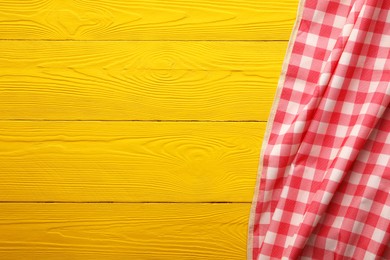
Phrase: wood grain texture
(128, 161)
(132, 129)
(147, 20)
(123, 231)
(138, 80)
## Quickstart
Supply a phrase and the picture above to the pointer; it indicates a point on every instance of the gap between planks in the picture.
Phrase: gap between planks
(114, 120)
(129, 202)
(72, 40)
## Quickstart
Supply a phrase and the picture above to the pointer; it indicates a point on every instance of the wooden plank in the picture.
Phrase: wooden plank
(147, 20)
(138, 80)
(128, 161)
(123, 231)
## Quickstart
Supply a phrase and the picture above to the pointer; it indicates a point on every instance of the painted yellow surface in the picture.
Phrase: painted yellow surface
(139, 80)
(147, 19)
(132, 129)
(123, 231)
(128, 161)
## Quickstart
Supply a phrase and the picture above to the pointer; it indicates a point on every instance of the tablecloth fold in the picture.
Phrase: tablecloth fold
(323, 184)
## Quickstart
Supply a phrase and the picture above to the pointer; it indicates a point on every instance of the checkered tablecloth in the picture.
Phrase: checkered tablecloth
(323, 184)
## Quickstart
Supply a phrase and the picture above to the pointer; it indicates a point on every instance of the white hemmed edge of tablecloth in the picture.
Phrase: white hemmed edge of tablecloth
(270, 121)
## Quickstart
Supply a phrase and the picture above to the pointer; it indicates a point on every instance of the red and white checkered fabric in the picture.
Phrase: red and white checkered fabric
(323, 187)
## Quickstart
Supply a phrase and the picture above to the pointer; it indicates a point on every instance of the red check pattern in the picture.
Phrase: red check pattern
(324, 190)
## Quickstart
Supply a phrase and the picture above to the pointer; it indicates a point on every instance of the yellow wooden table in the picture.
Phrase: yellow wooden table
(132, 129)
